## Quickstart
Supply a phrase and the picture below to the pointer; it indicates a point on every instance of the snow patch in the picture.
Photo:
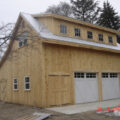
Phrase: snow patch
(45, 33)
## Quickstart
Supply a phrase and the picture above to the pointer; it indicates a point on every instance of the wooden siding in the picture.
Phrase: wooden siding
(51, 69)
(21, 62)
(54, 26)
(62, 60)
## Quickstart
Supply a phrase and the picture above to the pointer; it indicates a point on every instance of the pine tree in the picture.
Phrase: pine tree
(108, 17)
(85, 10)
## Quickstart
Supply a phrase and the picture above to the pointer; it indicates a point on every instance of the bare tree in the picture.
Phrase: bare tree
(62, 8)
(5, 36)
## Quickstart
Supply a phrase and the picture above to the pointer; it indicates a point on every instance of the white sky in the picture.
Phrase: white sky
(10, 9)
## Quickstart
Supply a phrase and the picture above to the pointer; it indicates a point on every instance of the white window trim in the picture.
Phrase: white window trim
(15, 84)
(63, 29)
(22, 40)
(25, 84)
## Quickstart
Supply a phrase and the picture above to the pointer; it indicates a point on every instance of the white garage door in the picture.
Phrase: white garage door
(110, 86)
(86, 87)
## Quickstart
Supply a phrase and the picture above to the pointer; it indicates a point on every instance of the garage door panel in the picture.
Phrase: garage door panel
(110, 86)
(86, 89)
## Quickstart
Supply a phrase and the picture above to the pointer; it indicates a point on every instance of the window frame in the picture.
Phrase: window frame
(105, 75)
(22, 39)
(27, 83)
(79, 75)
(89, 36)
(101, 36)
(63, 29)
(15, 84)
(110, 75)
(110, 40)
(113, 75)
(77, 32)
(91, 75)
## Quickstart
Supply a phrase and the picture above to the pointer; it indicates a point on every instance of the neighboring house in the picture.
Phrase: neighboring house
(55, 60)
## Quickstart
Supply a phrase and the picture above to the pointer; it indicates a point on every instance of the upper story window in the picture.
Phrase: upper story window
(90, 35)
(15, 84)
(23, 39)
(77, 32)
(27, 83)
(110, 39)
(63, 29)
(100, 37)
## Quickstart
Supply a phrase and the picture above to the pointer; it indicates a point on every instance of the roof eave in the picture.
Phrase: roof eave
(71, 44)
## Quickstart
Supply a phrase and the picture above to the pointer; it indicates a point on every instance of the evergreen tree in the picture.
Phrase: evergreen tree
(86, 10)
(108, 17)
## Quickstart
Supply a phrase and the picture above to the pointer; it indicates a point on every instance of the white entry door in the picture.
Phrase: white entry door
(110, 86)
(86, 87)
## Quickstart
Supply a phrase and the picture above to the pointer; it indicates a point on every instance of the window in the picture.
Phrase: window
(100, 36)
(90, 35)
(63, 29)
(104, 75)
(15, 84)
(20, 43)
(109, 75)
(110, 39)
(23, 39)
(113, 75)
(27, 83)
(77, 31)
(79, 75)
(90, 75)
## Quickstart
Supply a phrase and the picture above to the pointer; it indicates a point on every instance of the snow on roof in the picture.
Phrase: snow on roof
(45, 33)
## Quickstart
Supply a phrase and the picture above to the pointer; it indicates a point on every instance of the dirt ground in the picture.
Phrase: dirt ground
(12, 111)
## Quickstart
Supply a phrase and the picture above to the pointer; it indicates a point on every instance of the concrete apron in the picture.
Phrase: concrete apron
(79, 108)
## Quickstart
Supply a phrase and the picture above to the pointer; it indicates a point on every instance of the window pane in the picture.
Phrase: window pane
(110, 39)
(77, 32)
(90, 35)
(25, 41)
(27, 86)
(15, 86)
(15, 80)
(20, 44)
(27, 79)
(63, 29)
(100, 37)
(90, 75)
(104, 75)
(79, 75)
(113, 75)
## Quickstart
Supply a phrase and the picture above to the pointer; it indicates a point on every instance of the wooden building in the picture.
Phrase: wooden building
(55, 60)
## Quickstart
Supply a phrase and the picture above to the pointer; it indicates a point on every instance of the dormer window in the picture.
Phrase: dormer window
(90, 35)
(23, 39)
(110, 39)
(63, 29)
(77, 32)
(100, 37)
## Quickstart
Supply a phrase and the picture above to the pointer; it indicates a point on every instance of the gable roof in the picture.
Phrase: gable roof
(46, 34)
(49, 37)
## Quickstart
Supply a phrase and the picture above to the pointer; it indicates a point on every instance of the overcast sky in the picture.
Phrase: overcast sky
(10, 9)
